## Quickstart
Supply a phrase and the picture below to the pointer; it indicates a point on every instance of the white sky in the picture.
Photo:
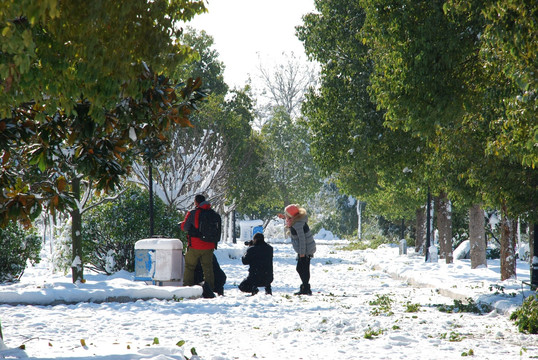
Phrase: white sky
(249, 31)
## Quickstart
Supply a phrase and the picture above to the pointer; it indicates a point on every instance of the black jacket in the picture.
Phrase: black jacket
(260, 259)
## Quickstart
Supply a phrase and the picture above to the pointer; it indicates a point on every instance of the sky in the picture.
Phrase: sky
(347, 317)
(250, 32)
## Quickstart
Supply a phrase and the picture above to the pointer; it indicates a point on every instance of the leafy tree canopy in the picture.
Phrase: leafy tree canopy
(350, 139)
(55, 52)
(79, 95)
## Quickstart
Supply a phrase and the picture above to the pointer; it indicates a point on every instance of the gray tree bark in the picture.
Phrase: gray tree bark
(444, 225)
(77, 265)
(508, 246)
(532, 244)
(477, 237)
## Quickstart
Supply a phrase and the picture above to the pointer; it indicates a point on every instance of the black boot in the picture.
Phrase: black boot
(304, 290)
(268, 290)
(301, 290)
(255, 290)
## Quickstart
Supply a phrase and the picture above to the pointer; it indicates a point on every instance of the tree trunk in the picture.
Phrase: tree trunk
(477, 237)
(234, 237)
(444, 225)
(76, 236)
(533, 246)
(226, 227)
(421, 230)
(508, 246)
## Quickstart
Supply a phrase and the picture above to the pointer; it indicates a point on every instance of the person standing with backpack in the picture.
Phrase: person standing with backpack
(203, 227)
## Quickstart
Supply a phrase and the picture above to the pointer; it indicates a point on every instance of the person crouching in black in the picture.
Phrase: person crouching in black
(259, 256)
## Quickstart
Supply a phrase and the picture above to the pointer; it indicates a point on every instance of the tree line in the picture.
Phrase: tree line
(413, 98)
(421, 97)
(96, 95)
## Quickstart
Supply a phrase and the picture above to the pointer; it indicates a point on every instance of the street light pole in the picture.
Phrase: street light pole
(534, 259)
(359, 220)
(150, 179)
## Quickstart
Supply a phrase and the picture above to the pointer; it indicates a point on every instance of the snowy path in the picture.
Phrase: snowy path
(331, 324)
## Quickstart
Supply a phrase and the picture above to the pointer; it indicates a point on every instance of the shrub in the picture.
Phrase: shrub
(470, 307)
(493, 253)
(62, 247)
(17, 246)
(526, 317)
(383, 305)
(110, 230)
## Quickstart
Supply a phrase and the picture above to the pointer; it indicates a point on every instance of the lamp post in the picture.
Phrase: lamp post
(534, 260)
(428, 221)
(150, 180)
(359, 219)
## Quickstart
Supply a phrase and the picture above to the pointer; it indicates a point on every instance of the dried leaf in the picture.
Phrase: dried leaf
(61, 184)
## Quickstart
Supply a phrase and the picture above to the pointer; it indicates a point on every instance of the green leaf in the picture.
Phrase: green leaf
(42, 162)
(6, 32)
(27, 38)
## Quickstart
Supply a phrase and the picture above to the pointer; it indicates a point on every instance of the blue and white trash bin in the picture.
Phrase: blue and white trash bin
(256, 230)
(159, 261)
(249, 228)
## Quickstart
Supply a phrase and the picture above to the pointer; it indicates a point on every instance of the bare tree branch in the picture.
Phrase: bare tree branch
(285, 85)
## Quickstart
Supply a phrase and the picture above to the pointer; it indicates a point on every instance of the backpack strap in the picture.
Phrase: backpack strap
(193, 230)
(197, 218)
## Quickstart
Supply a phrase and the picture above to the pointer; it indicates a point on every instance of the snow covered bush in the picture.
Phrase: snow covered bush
(62, 248)
(110, 230)
(526, 317)
(17, 246)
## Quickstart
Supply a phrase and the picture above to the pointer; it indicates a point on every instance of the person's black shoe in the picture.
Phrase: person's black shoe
(255, 290)
(304, 290)
(207, 292)
(268, 290)
(220, 292)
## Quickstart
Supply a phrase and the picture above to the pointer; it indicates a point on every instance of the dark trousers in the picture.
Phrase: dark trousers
(248, 285)
(303, 268)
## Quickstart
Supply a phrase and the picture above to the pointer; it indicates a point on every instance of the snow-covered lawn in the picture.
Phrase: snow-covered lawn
(371, 304)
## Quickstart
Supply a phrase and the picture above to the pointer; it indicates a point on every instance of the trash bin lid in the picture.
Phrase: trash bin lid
(159, 244)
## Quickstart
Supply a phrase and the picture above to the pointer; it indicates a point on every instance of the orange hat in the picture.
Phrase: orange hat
(291, 210)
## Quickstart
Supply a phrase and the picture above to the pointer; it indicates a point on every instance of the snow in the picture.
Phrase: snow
(462, 251)
(159, 243)
(117, 318)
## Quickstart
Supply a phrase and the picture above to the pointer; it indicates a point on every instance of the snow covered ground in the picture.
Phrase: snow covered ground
(371, 304)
